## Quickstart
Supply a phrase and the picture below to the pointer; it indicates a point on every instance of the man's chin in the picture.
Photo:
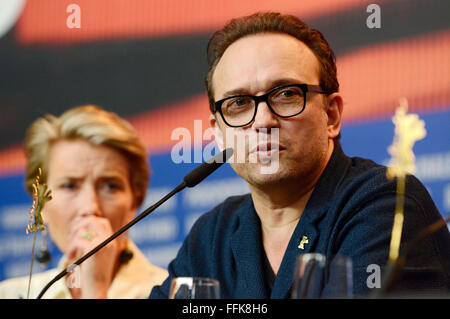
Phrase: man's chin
(259, 173)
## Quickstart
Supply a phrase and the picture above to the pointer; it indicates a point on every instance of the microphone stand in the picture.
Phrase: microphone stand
(190, 180)
(111, 238)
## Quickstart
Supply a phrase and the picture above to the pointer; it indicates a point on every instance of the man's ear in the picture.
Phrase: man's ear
(218, 135)
(334, 114)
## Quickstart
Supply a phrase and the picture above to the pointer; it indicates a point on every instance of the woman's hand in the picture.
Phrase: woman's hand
(98, 270)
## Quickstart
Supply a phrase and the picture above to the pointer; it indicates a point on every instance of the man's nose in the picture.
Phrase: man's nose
(264, 117)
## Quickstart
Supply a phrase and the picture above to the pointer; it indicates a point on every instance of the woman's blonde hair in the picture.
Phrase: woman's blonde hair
(95, 125)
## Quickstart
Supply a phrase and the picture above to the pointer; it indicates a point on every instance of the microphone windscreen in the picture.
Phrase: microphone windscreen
(201, 172)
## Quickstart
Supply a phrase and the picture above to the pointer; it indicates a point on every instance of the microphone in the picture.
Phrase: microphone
(394, 270)
(201, 172)
(194, 177)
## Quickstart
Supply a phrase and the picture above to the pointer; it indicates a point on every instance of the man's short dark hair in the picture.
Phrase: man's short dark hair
(275, 23)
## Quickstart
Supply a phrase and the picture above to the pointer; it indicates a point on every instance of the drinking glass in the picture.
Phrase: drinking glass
(194, 288)
(317, 277)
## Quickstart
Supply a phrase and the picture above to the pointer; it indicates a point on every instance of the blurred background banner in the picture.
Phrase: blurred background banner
(146, 61)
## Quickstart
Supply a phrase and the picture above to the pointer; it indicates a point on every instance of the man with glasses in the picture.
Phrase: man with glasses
(271, 74)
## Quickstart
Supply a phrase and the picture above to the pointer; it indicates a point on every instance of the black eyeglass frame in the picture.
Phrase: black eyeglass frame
(265, 98)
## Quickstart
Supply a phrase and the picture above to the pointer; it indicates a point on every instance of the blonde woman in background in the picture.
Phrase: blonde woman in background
(96, 167)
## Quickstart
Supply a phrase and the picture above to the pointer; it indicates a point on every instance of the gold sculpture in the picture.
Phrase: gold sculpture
(41, 195)
(408, 129)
